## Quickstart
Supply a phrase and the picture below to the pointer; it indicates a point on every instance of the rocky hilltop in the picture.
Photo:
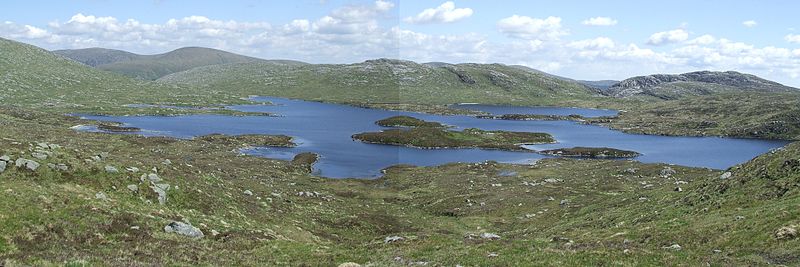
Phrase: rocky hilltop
(667, 86)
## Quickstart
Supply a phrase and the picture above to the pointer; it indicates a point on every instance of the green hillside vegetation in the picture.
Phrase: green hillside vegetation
(389, 81)
(668, 87)
(151, 67)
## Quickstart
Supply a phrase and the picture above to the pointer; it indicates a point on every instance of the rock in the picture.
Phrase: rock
(58, 167)
(349, 264)
(739, 218)
(167, 162)
(630, 170)
(667, 172)
(153, 178)
(726, 175)
(134, 188)
(161, 190)
(492, 255)
(132, 169)
(214, 232)
(490, 236)
(673, 247)
(678, 189)
(2, 166)
(182, 228)
(5, 158)
(786, 233)
(39, 155)
(103, 155)
(111, 169)
(564, 202)
(26, 163)
(101, 196)
(392, 239)
(248, 193)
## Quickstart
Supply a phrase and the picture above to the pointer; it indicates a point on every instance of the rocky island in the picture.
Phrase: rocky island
(591, 152)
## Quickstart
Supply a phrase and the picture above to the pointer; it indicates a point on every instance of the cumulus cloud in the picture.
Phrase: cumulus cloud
(600, 21)
(792, 38)
(524, 27)
(445, 13)
(749, 23)
(673, 36)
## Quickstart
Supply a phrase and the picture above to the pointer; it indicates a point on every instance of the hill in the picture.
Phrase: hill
(97, 56)
(665, 86)
(389, 81)
(151, 67)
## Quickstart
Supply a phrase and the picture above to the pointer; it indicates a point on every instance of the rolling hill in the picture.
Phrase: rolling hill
(151, 67)
(389, 81)
(665, 86)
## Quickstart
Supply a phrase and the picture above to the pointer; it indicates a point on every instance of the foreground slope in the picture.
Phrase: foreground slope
(665, 86)
(151, 67)
(389, 81)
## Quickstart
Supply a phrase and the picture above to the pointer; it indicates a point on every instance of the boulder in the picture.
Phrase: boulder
(2, 166)
(248, 192)
(161, 190)
(726, 175)
(132, 169)
(111, 169)
(667, 172)
(134, 188)
(39, 155)
(786, 233)
(185, 229)
(490, 236)
(26, 163)
(5, 158)
(101, 196)
(392, 239)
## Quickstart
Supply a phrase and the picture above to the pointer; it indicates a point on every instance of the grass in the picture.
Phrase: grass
(407, 121)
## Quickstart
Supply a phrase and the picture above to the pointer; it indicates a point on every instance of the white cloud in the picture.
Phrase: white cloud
(596, 43)
(445, 13)
(749, 23)
(600, 21)
(524, 27)
(673, 36)
(792, 38)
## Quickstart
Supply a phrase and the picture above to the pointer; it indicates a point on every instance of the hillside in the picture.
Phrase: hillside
(32, 77)
(665, 86)
(151, 67)
(389, 81)
(97, 56)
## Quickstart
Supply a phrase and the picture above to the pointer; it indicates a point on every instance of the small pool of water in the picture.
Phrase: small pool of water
(326, 129)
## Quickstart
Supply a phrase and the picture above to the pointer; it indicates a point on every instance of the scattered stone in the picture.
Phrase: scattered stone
(134, 188)
(103, 155)
(135, 227)
(667, 172)
(673, 247)
(392, 239)
(564, 202)
(214, 232)
(153, 178)
(739, 218)
(786, 233)
(183, 229)
(349, 264)
(39, 155)
(678, 189)
(631, 170)
(167, 162)
(248, 193)
(2, 166)
(5, 158)
(492, 255)
(490, 236)
(101, 196)
(58, 167)
(26, 163)
(132, 169)
(111, 169)
(726, 175)
(717, 251)
(161, 190)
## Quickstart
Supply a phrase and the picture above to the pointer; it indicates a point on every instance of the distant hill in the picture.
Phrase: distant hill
(97, 56)
(389, 80)
(601, 84)
(665, 86)
(151, 67)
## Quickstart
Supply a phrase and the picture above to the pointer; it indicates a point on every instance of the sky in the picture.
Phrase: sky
(589, 40)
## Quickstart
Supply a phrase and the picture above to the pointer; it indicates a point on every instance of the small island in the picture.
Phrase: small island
(407, 121)
(591, 152)
(439, 137)
(249, 140)
(532, 117)
(116, 128)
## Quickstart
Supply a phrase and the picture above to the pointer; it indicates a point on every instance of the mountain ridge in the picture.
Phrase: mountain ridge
(673, 86)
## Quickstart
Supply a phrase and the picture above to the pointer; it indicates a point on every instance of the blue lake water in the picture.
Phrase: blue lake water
(326, 129)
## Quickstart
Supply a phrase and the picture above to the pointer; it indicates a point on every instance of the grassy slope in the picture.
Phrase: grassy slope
(388, 81)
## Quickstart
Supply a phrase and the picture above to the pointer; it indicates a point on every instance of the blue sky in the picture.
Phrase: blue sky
(625, 38)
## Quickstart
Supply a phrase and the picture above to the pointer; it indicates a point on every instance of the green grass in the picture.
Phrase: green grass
(407, 121)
